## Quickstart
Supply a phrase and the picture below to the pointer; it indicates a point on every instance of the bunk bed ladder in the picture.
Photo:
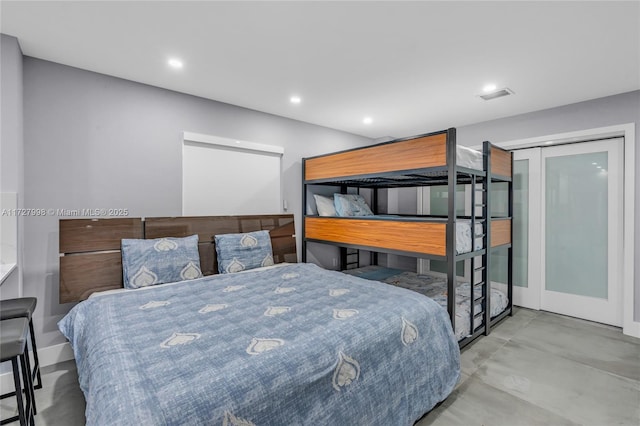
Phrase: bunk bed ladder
(451, 253)
(349, 258)
(482, 268)
(486, 214)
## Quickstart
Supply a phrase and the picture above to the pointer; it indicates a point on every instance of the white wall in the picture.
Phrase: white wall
(12, 144)
(94, 141)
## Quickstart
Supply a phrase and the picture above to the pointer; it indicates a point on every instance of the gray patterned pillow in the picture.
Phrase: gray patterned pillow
(163, 260)
(240, 252)
(351, 205)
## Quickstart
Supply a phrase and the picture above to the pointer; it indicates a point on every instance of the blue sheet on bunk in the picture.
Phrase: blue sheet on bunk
(375, 274)
(287, 345)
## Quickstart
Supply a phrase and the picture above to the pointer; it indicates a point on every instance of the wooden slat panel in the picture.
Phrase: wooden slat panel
(417, 237)
(208, 264)
(500, 232)
(500, 162)
(428, 151)
(205, 226)
(208, 226)
(253, 224)
(86, 235)
(83, 274)
(97, 270)
(283, 242)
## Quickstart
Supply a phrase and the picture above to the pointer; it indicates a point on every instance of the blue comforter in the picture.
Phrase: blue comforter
(288, 345)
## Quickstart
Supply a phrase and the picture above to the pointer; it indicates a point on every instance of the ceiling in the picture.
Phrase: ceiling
(412, 67)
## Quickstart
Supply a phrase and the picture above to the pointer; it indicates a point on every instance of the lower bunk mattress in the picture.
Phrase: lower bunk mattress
(435, 287)
(288, 344)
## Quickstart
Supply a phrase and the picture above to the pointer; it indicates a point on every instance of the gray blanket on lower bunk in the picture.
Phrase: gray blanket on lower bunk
(435, 287)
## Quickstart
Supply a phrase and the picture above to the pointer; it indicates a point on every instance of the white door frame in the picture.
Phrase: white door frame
(529, 297)
(629, 326)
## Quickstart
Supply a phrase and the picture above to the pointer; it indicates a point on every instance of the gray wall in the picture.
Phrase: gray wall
(612, 110)
(94, 141)
(11, 143)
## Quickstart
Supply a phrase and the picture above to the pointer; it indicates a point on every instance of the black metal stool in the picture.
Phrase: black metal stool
(24, 307)
(13, 347)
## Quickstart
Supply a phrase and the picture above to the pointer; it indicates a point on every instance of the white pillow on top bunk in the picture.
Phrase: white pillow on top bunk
(351, 205)
(325, 205)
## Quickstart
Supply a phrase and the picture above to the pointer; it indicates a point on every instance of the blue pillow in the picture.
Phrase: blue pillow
(163, 260)
(240, 252)
(351, 205)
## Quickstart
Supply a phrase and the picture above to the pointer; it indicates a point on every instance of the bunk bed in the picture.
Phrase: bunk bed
(424, 160)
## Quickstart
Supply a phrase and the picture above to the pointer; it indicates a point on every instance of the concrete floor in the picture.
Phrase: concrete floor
(535, 368)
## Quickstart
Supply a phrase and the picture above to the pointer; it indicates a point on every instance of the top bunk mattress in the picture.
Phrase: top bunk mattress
(469, 158)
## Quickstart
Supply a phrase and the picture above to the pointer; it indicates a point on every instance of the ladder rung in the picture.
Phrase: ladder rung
(480, 268)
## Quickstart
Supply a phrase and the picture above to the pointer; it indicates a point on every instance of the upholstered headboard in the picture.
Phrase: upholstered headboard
(90, 258)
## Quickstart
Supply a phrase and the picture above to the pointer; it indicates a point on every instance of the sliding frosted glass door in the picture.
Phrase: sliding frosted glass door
(581, 230)
(567, 229)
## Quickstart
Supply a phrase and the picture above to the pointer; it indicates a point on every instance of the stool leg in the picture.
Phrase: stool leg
(28, 394)
(28, 385)
(18, 385)
(36, 362)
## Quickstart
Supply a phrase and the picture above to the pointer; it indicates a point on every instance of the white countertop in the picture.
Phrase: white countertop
(5, 270)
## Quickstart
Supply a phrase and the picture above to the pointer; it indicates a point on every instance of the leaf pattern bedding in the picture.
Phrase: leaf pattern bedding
(294, 344)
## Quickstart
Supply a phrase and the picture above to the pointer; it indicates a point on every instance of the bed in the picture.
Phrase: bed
(425, 160)
(283, 344)
(435, 287)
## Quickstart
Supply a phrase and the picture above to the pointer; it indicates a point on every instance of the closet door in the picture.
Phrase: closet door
(581, 230)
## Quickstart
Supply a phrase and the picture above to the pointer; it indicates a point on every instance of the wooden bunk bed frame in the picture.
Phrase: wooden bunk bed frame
(423, 160)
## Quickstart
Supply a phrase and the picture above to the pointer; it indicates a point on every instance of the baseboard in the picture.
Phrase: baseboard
(632, 329)
(47, 356)
(55, 354)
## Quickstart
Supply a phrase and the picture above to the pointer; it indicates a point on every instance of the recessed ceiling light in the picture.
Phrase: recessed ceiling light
(489, 88)
(496, 94)
(175, 63)
(295, 99)
(367, 120)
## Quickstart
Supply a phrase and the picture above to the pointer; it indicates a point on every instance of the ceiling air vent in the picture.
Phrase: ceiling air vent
(497, 94)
